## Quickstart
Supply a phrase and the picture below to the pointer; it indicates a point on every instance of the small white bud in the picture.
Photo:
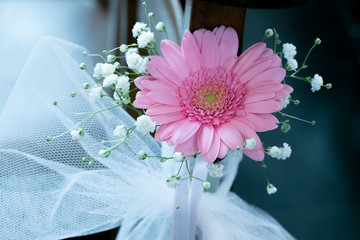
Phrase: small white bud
(111, 58)
(268, 33)
(83, 66)
(206, 185)
(104, 152)
(77, 134)
(151, 15)
(317, 41)
(271, 189)
(250, 143)
(120, 132)
(142, 155)
(144, 4)
(179, 156)
(117, 65)
(86, 85)
(160, 26)
(123, 48)
(173, 181)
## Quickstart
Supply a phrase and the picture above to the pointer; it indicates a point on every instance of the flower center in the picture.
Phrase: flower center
(211, 95)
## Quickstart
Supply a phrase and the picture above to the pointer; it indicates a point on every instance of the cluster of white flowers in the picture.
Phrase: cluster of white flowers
(215, 170)
(173, 181)
(145, 38)
(136, 62)
(103, 70)
(316, 83)
(110, 80)
(289, 52)
(138, 28)
(144, 124)
(280, 153)
(120, 132)
(123, 84)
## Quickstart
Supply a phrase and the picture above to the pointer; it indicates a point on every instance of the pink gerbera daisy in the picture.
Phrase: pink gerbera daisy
(205, 98)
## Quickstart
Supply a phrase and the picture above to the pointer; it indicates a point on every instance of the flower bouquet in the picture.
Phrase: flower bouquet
(204, 104)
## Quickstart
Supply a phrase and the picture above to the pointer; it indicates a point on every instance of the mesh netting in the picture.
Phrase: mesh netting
(47, 192)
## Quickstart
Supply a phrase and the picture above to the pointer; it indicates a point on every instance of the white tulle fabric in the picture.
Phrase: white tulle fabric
(47, 192)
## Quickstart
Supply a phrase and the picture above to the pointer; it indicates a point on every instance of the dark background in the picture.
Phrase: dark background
(317, 194)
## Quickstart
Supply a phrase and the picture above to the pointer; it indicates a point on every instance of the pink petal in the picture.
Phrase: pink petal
(138, 81)
(210, 51)
(212, 154)
(163, 109)
(162, 96)
(199, 37)
(273, 74)
(229, 135)
(185, 131)
(191, 51)
(205, 136)
(276, 61)
(268, 106)
(258, 96)
(230, 63)
(167, 118)
(257, 153)
(223, 150)
(268, 53)
(255, 70)
(284, 92)
(228, 43)
(174, 57)
(262, 122)
(188, 147)
(157, 84)
(267, 86)
(218, 32)
(159, 70)
(248, 57)
(165, 131)
(142, 101)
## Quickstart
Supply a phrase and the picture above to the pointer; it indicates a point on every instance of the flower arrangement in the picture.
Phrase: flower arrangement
(200, 96)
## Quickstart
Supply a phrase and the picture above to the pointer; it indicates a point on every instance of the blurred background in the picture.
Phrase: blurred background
(317, 194)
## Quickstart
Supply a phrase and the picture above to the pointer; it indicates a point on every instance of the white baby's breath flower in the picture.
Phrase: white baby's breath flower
(120, 132)
(142, 68)
(144, 124)
(292, 64)
(285, 101)
(95, 94)
(285, 151)
(111, 58)
(107, 69)
(110, 80)
(138, 28)
(289, 50)
(123, 48)
(271, 189)
(179, 156)
(142, 155)
(97, 71)
(206, 185)
(250, 143)
(131, 50)
(215, 169)
(134, 60)
(77, 134)
(145, 38)
(316, 82)
(274, 152)
(160, 26)
(173, 181)
(123, 84)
